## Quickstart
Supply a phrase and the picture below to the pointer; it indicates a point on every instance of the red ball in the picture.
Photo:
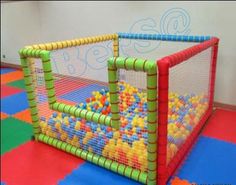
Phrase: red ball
(82, 127)
(109, 129)
(88, 100)
(87, 129)
(102, 101)
(108, 109)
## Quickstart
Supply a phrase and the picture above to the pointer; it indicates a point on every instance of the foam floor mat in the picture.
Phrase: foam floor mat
(35, 163)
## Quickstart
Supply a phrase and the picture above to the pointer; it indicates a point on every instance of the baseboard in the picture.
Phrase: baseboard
(224, 106)
(15, 66)
(216, 104)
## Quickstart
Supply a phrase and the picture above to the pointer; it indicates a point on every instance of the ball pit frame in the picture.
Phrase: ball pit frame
(158, 170)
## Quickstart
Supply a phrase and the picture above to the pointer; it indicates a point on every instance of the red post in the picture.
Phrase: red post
(163, 86)
(213, 74)
(164, 171)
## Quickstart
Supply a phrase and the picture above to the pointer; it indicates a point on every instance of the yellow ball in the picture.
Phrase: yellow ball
(89, 135)
(134, 130)
(119, 142)
(58, 125)
(173, 148)
(85, 141)
(111, 142)
(116, 135)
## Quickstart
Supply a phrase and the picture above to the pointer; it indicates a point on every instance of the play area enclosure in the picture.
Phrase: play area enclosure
(141, 133)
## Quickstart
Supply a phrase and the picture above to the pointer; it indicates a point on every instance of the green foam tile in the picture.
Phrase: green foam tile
(19, 83)
(13, 133)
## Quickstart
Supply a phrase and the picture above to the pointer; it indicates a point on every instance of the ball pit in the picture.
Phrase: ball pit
(129, 144)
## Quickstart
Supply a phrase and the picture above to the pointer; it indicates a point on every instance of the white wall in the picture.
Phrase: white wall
(51, 21)
(19, 27)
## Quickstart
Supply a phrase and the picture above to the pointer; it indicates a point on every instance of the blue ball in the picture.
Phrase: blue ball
(171, 139)
(63, 115)
(134, 137)
(54, 114)
(58, 135)
(70, 136)
(128, 126)
(125, 138)
(109, 135)
(92, 142)
(138, 129)
(71, 120)
(43, 119)
(107, 103)
(85, 106)
(189, 127)
(72, 125)
(103, 127)
(51, 122)
(145, 135)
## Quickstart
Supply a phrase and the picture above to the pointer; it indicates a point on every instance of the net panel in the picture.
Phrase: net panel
(150, 49)
(188, 99)
(133, 112)
(146, 49)
(88, 89)
(80, 76)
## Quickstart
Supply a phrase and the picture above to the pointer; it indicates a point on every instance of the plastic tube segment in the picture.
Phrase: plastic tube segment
(183, 38)
(184, 55)
(150, 68)
(213, 73)
(82, 113)
(48, 76)
(116, 46)
(96, 159)
(163, 87)
(30, 90)
(74, 43)
(49, 83)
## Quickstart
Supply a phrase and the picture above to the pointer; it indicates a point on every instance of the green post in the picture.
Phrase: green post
(48, 77)
(152, 123)
(150, 68)
(114, 96)
(31, 95)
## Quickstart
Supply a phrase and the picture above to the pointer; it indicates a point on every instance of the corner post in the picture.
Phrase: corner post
(214, 53)
(163, 86)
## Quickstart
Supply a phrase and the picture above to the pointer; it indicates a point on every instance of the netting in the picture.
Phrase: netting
(146, 49)
(133, 111)
(89, 90)
(74, 68)
(81, 79)
(150, 49)
(188, 98)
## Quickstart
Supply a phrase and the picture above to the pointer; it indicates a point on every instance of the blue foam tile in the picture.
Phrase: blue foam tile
(14, 103)
(91, 174)
(211, 161)
(82, 93)
(7, 70)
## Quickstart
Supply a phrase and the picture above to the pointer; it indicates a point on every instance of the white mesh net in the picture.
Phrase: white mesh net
(188, 98)
(80, 75)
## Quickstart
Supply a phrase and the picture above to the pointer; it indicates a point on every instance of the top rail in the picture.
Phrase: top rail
(73, 43)
(183, 38)
(185, 54)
